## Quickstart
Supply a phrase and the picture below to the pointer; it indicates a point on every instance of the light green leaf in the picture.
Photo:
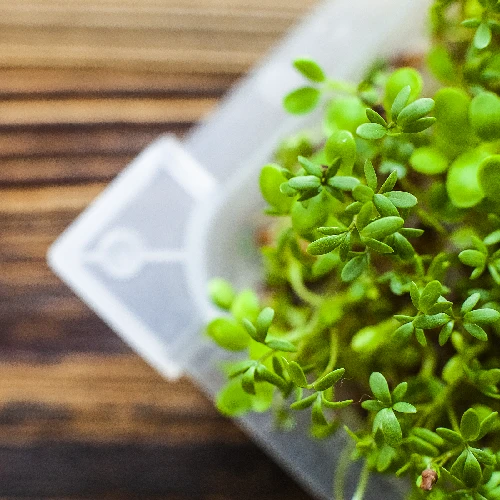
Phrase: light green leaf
(488, 377)
(278, 366)
(429, 161)
(374, 117)
(449, 435)
(370, 175)
(310, 69)
(354, 268)
(281, 345)
(422, 447)
(399, 79)
(331, 231)
(380, 388)
(401, 199)
(489, 181)
(428, 435)
(302, 100)
(344, 113)
(457, 468)
(427, 322)
(484, 115)
(403, 318)
(248, 381)
(420, 336)
(484, 315)
(232, 400)
(317, 416)
(263, 374)
(400, 101)
(384, 206)
(473, 258)
(308, 216)
(285, 189)
(419, 125)
(228, 334)
(240, 367)
(251, 330)
(371, 131)
(414, 111)
(221, 293)
(470, 303)
(411, 232)
(482, 38)
(362, 193)
(484, 456)
(384, 459)
(488, 424)
(446, 332)
(377, 246)
(476, 331)
(325, 245)
(391, 429)
(441, 64)
(402, 246)
(270, 181)
(492, 238)
(328, 380)
(364, 216)
(472, 473)
(471, 23)
(304, 182)
(429, 295)
(325, 264)
(341, 144)
(372, 405)
(382, 227)
(389, 183)
(304, 403)
(296, 374)
(440, 306)
(310, 167)
(404, 332)
(453, 132)
(403, 407)
(245, 305)
(399, 391)
(344, 183)
(264, 321)
(353, 208)
(415, 295)
(336, 405)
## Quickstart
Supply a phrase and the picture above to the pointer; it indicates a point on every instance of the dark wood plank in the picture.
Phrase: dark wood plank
(83, 88)
(23, 83)
(63, 169)
(87, 110)
(85, 423)
(45, 141)
(224, 37)
(133, 471)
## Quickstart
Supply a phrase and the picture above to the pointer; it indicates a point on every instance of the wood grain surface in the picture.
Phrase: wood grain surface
(84, 86)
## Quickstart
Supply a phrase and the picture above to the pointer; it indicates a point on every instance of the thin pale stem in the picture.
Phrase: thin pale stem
(296, 281)
(334, 347)
(341, 471)
(362, 483)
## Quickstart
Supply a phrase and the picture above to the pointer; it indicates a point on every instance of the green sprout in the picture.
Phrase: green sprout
(381, 268)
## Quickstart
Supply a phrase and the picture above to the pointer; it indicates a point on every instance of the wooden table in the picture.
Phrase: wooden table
(84, 86)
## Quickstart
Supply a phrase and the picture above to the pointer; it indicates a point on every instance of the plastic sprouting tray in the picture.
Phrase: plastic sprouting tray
(181, 213)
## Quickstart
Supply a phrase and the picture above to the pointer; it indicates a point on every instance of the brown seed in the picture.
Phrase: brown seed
(429, 478)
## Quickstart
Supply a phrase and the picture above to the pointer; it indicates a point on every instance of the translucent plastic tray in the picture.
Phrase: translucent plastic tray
(179, 214)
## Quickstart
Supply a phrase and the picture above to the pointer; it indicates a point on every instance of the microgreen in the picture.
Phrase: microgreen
(382, 266)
